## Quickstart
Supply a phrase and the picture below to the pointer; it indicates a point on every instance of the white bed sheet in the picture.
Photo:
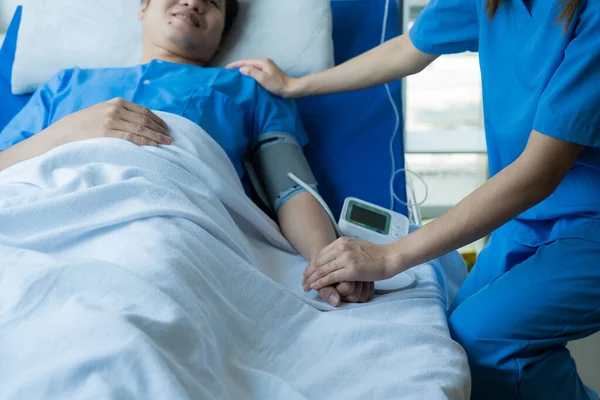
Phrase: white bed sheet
(131, 272)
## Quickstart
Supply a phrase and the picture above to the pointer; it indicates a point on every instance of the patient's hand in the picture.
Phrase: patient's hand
(116, 118)
(349, 292)
(356, 292)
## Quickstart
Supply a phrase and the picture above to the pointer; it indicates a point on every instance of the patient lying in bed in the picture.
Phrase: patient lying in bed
(134, 266)
(179, 39)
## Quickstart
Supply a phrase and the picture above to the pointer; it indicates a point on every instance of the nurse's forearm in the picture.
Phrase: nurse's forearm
(532, 178)
(305, 225)
(395, 59)
(25, 150)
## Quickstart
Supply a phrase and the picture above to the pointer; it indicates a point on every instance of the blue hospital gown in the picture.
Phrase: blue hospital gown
(232, 108)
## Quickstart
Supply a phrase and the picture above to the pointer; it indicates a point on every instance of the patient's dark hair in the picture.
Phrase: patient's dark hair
(231, 12)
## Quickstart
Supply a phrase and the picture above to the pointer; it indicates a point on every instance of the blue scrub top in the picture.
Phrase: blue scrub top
(230, 107)
(535, 76)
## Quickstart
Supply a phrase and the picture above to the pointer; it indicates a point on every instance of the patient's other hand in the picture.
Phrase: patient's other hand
(116, 118)
(268, 75)
(349, 292)
(356, 292)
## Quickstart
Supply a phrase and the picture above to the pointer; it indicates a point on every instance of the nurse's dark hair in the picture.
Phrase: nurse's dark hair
(567, 13)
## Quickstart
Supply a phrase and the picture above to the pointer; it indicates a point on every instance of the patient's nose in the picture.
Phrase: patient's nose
(197, 5)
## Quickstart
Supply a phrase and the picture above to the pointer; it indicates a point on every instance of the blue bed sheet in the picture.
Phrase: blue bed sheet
(350, 133)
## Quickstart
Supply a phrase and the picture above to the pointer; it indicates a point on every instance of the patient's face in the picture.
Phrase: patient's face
(187, 28)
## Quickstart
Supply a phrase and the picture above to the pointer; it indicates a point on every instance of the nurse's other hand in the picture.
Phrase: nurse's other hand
(268, 75)
(116, 118)
(348, 260)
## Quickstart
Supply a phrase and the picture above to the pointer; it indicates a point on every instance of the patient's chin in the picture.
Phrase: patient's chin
(184, 46)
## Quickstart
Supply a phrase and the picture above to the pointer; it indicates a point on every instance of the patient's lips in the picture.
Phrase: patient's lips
(188, 18)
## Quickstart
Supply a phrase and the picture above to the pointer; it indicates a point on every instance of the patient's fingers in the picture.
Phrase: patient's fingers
(135, 139)
(331, 296)
(136, 108)
(135, 130)
(366, 292)
(345, 288)
(371, 291)
(144, 120)
(354, 297)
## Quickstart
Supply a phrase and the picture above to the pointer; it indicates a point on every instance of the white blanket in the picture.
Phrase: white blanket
(146, 273)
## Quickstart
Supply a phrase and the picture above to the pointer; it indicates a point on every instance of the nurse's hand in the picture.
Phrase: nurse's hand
(268, 75)
(349, 260)
(116, 118)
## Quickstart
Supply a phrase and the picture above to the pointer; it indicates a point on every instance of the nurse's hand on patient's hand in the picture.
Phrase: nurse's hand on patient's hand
(116, 118)
(348, 260)
(268, 75)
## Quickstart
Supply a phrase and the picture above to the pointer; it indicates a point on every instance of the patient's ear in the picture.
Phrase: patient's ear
(144, 6)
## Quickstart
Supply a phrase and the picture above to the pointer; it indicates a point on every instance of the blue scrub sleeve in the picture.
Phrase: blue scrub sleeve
(447, 27)
(274, 114)
(569, 108)
(34, 117)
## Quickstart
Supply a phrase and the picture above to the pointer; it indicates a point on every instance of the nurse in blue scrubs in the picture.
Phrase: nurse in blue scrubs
(536, 285)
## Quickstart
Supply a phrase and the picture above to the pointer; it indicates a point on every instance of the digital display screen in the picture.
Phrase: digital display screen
(368, 217)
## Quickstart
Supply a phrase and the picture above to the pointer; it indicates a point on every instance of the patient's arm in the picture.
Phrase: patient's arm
(307, 227)
(116, 118)
(30, 148)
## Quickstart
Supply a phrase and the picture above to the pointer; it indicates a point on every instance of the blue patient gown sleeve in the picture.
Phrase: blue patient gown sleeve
(274, 114)
(447, 27)
(36, 115)
(569, 108)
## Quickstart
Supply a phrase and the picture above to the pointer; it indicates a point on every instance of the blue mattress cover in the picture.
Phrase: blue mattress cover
(350, 133)
(10, 104)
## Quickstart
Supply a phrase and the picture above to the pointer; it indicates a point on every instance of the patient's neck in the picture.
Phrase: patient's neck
(156, 53)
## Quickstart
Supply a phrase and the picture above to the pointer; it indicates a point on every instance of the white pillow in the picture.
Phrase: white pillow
(60, 34)
(7, 9)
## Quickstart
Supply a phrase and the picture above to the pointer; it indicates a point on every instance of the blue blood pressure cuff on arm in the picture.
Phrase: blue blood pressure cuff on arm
(273, 156)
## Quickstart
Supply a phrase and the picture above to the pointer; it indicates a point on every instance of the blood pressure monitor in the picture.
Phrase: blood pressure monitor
(372, 223)
(366, 221)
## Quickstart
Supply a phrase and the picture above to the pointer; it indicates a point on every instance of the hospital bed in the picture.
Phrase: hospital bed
(399, 346)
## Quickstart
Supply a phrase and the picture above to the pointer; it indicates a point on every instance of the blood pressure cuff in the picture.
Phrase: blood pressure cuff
(273, 156)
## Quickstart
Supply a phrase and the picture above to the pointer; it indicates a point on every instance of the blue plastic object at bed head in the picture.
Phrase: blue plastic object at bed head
(10, 104)
(350, 133)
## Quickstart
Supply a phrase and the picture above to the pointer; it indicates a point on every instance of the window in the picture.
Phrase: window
(445, 140)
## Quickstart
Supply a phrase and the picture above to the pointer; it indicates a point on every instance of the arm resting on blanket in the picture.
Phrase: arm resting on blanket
(30, 148)
(116, 118)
